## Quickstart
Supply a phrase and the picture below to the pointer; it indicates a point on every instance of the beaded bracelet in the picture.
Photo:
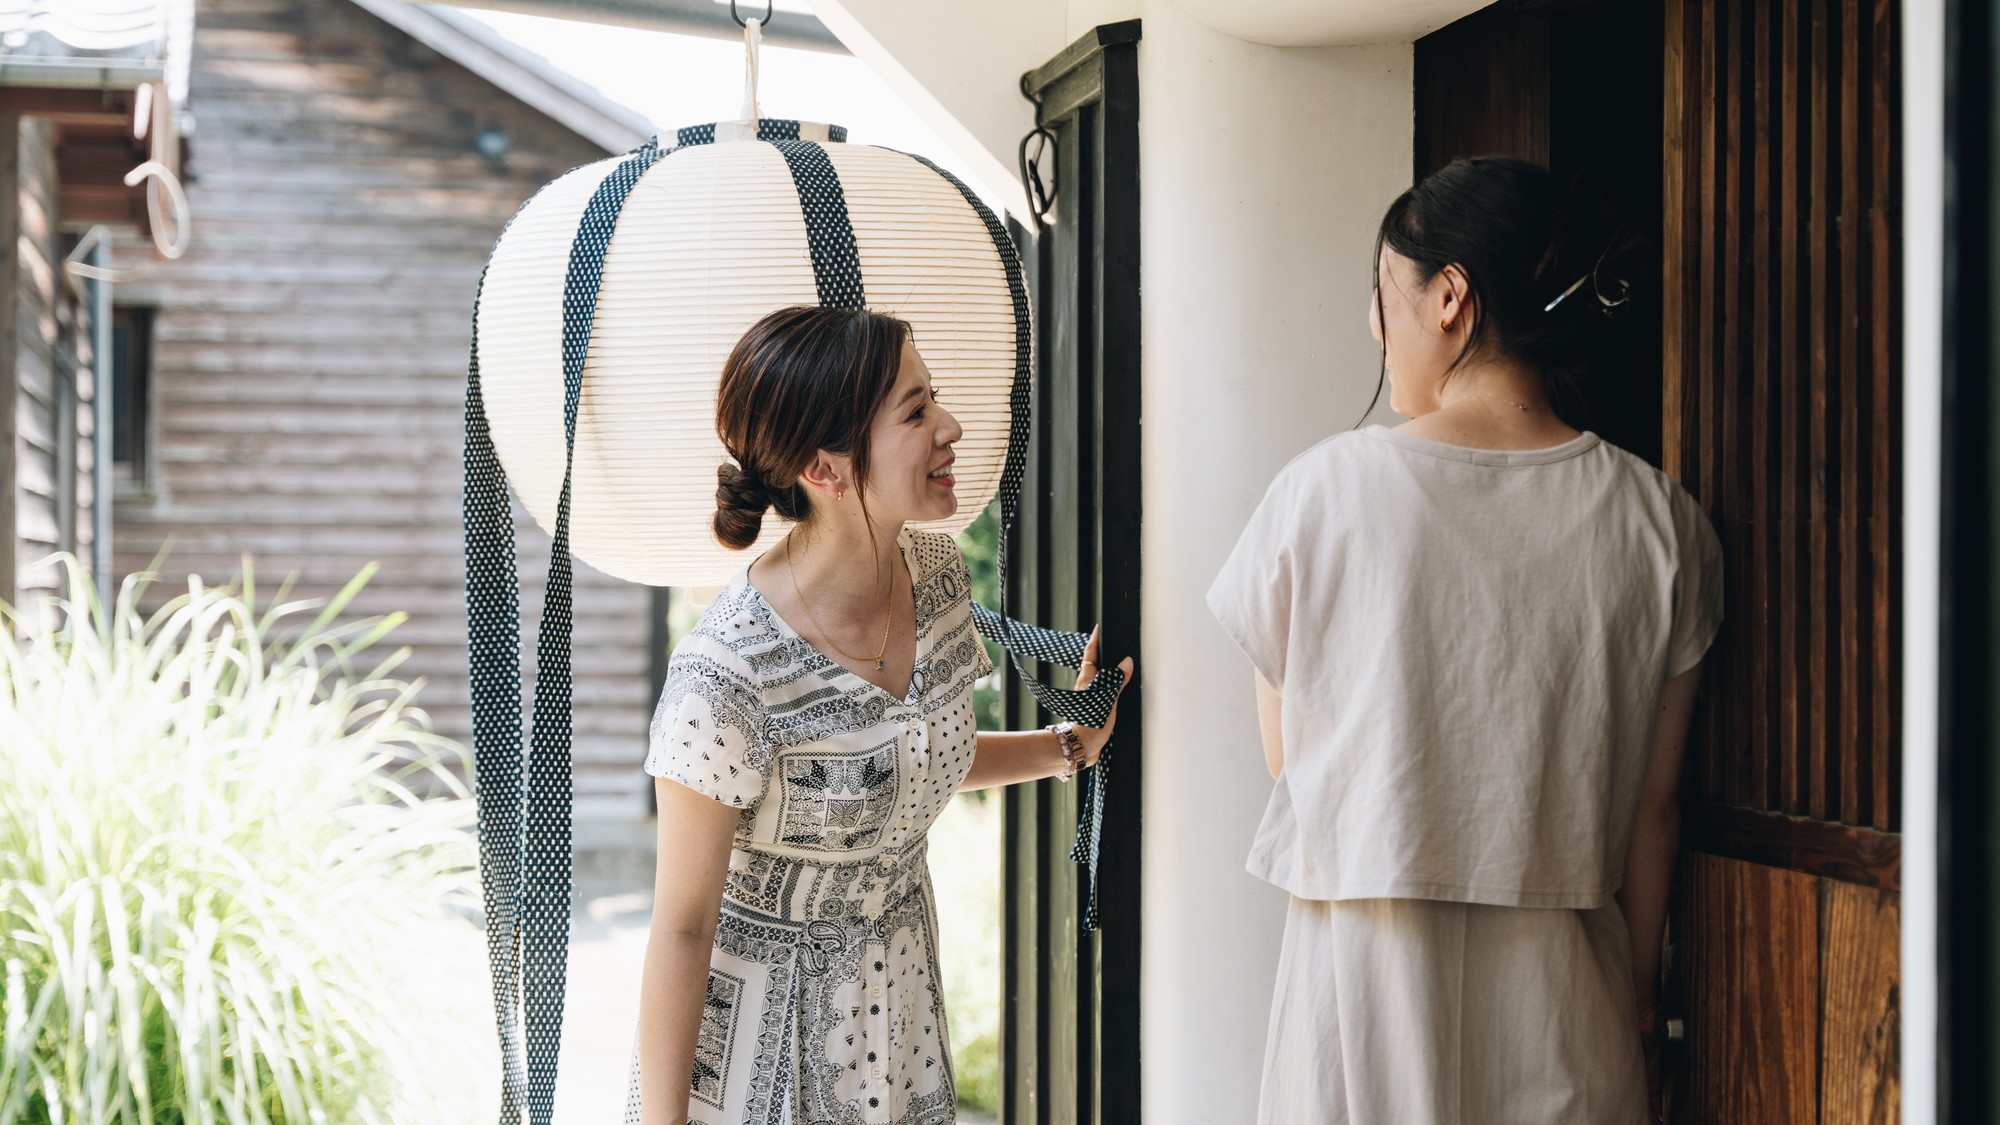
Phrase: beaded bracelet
(1072, 747)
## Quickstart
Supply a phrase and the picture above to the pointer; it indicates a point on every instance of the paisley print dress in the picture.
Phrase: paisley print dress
(824, 1006)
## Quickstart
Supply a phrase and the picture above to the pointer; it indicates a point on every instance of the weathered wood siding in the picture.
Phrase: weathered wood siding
(309, 366)
(53, 355)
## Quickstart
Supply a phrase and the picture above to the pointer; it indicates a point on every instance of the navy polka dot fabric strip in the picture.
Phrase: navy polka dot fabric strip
(829, 233)
(525, 821)
(493, 617)
(1092, 705)
(768, 129)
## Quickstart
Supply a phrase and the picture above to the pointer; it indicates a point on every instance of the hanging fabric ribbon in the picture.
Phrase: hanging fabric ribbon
(524, 807)
(1090, 706)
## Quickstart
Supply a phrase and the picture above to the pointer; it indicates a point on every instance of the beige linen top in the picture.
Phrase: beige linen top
(1470, 645)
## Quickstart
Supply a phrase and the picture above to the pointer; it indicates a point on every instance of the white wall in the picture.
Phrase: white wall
(959, 67)
(1923, 295)
(1263, 173)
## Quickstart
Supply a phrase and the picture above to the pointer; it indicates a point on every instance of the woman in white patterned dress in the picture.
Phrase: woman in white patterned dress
(813, 726)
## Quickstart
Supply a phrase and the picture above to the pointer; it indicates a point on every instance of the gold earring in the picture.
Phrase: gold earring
(838, 495)
(1443, 325)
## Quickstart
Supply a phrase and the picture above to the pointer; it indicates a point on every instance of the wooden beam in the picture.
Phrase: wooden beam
(10, 280)
(1863, 856)
(1089, 47)
(69, 107)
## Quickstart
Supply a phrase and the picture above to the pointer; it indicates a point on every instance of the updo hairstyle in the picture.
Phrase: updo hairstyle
(801, 380)
(1522, 237)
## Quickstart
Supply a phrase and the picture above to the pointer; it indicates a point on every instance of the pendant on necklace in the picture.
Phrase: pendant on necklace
(878, 665)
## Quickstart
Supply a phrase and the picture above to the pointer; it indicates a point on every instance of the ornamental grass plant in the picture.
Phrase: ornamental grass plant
(236, 872)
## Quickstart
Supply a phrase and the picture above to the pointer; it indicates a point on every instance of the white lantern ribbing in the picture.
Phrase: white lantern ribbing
(713, 236)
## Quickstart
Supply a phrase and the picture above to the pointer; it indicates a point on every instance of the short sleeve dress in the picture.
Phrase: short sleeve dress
(823, 996)
(1470, 645)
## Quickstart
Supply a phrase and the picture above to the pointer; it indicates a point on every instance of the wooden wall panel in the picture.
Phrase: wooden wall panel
(1788, 986)
(1486, 83)
(310, 355)
(1858, 1075)
(1752, 992)
(53, 347)
(1784, 385)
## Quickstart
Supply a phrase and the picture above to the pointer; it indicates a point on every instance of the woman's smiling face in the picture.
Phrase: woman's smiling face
(909, 449)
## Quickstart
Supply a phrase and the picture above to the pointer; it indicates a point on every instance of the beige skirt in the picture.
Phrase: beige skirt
(1414, 1012)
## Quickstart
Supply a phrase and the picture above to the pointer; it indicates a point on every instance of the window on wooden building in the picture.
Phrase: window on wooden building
(131, 395)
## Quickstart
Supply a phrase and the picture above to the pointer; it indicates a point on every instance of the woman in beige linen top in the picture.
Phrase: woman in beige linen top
(1477, 639)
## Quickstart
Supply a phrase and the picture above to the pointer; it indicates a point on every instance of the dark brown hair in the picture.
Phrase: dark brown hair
(1522, 236)
(803, 379)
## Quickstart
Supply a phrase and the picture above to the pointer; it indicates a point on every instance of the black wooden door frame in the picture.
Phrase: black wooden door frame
(1968, 781)
(1070, 1036)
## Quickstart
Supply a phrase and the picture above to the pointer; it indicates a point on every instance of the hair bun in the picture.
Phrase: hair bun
(741, 498)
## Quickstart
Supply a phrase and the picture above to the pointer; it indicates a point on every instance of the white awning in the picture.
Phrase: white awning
(791, 23)
(97, 44)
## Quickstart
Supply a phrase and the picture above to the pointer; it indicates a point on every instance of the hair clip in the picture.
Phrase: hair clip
(1573, 287)
(1610, 305)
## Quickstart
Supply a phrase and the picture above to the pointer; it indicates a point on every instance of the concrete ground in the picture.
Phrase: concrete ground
(614, 901)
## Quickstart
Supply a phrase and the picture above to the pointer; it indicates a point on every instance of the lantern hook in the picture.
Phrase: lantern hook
(1038, 178)
(768, 5)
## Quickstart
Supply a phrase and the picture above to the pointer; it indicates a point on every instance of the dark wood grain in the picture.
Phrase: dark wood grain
(1486, 89)
(1790, 418)
(1860, 950)
(1701, 171)
(1680, 292)
(1787, 348)
(1862, 856)
(1885, 411)
(1822, 656)
(1750, 994)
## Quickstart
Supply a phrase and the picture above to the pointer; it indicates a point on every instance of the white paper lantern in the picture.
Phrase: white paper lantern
(712, 237)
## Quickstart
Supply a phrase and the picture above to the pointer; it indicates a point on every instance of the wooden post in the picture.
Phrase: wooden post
(10, 277)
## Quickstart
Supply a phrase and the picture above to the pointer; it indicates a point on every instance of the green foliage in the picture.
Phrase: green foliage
(980, 544)
(965, 870)
(235, 871)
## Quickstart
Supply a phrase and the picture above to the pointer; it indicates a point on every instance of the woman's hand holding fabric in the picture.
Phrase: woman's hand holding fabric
(1095, 738)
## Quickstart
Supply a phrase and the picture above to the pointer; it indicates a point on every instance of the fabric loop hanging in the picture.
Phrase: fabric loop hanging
(753, 38)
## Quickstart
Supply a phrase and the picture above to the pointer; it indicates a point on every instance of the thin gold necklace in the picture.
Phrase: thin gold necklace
(888, 614)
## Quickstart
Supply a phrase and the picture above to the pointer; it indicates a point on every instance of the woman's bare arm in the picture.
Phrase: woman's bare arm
(696, 833)
(1008, 757)
(1270, 723)
(1012, 756)
(1649, 860)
